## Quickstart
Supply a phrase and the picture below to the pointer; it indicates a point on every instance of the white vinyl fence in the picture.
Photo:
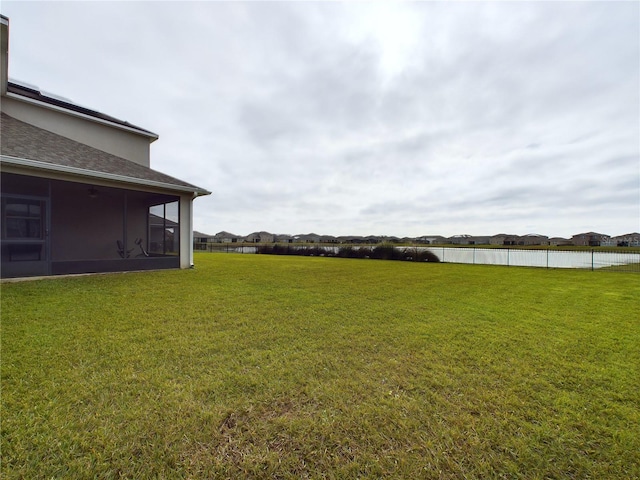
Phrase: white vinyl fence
(536, 258)
(545, 258)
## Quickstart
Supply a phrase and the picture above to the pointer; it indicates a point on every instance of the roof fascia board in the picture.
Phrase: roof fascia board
(15, 96)
(81, 172)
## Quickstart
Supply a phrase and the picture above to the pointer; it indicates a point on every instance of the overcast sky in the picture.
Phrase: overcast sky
(364, 118)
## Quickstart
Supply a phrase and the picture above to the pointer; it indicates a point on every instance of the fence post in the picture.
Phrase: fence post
(508, 256)
(592, 260)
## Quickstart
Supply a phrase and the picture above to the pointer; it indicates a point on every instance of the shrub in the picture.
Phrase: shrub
(420, 255)
(386, 252)
(352, 252)
(381, 252)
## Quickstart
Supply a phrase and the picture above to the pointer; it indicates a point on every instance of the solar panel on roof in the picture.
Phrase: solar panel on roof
(58, 97)
(28, 85)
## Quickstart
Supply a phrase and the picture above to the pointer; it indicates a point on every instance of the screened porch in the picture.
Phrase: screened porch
(53, 227)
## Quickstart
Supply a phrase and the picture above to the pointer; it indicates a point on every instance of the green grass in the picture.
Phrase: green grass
(259, 366)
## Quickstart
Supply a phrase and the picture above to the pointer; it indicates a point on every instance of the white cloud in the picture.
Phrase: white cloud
(395, 118)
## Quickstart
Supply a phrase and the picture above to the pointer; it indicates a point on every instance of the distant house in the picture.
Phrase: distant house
(283, 238)
(466, 239)
(608, 242)
(627, 240)
(372, 239)
(226, 237)
(559, 241)
(479, 240)
(201, 240)
(589, 239)
(350, 239)
(431, 239)
(533, 239)
(504, 239)
(463, 239)
(259, 237)
(307, 238)
(328, 239)
(78, 194)
(498, 239)
(199, 237)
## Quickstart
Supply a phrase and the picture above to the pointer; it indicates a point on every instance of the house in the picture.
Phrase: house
(463, 239)
(484, 240)
(559, 241)
(498, 239)
(283, 238)
(307, 238)
(533, 239)
(627, 240)
(479, 240)
(351, 239)
(328, 239)
(226, 237)
(78, 194)
(201, 240)
(431, 239)
(259, 237)
(589, 239)
(504, 239)
(466, 239)
(199, 237)
(373, 239)
(607, 241)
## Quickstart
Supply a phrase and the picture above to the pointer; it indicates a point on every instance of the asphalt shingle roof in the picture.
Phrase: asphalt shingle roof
(22, 140)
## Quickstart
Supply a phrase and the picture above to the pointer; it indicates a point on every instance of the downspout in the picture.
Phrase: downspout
(193, 197)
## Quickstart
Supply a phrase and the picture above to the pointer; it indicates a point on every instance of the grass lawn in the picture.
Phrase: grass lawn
(260, 366)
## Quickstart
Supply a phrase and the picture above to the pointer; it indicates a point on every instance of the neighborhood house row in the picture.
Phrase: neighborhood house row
(590, 239)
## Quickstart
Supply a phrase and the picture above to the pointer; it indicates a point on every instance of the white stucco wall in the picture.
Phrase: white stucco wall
(113, 140)
(186, 231)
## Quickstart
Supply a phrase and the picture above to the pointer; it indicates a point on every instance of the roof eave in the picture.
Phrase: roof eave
(150, 135)
(81, 172)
